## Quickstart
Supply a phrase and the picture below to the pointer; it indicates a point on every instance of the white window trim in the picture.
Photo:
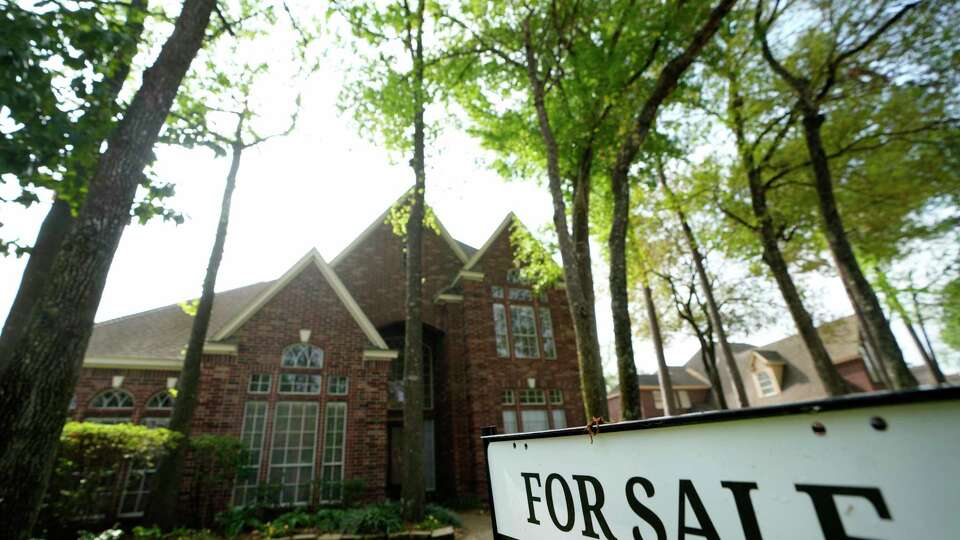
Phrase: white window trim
(775, 384)
(291, 393)
(343, 455)
(269, 383)
(346, 389)
(323, 356)
(316, 445)
(513, 334)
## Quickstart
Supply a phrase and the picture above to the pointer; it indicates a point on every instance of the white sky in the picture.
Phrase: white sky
(320, 187)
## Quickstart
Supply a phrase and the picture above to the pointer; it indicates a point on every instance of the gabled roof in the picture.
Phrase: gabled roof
(478, 254)
(455, 245)
(162, 333)
(311, 258)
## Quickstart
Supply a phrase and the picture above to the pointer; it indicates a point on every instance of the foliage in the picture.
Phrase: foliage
(399, 215)
(950, 318)
(109, 534)
(534, 258)
(234, 521)
(375, 519)
(154, 533)
(217, 459)
(443, 515)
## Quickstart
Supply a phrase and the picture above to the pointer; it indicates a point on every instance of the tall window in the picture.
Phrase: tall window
(500, 329)
(302, 355)
(546, 332)
(524, 332)
(251, 434)
(293, 451)
(559, 417)
(510, 421)
(334, 436)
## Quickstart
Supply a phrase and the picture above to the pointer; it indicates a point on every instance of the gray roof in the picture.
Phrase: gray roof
(468, 250)
(696, 361)
(163, 332)
(679, 376)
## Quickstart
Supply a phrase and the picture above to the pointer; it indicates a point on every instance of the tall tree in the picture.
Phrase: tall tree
(665, 84)
(854, 31)
(891, 295)
(663, 371)
(221, 92)
(393, 101)
(706, 286)
(60, 153)
(35, 388)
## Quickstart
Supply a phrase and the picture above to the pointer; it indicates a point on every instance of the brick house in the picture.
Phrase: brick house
(779, 372)
(306, 369)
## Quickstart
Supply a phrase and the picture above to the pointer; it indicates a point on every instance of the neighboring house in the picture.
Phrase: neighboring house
(779, 372)
(691, 393)
(307, 370)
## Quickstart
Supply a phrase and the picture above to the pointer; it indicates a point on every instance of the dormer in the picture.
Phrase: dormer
(767, 369)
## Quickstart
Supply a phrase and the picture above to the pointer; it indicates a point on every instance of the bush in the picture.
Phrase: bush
(444, 516)
(87, 478)
(377, 519)
(217, 460)
(234, 521)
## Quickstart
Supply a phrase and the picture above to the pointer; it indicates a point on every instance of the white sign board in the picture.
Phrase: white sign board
(873, 472)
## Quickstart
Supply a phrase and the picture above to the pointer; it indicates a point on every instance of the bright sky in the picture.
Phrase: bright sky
(319, 187)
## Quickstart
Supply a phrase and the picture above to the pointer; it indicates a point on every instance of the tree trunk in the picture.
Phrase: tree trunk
(619, 303)
(413, 489)
(872, 360)
(36, 387)
(59, 218)
(574, 251)
(666, 387)
(709, 356)
(52, 231)
(162, 504)
(857, 286)
(712, 310)
(934, 363)
(924, 354)
(833, 383)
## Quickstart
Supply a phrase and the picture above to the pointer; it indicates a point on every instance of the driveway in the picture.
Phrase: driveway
(476, 526)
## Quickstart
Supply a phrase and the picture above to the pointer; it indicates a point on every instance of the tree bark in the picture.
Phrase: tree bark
(59, 218)
(666, 387)
(574, 249)
(856, 285)
(36, 387)
(413, 490)
(619, 304)
(833, 383)
(712, 310)
(934, 364)
(162, 504)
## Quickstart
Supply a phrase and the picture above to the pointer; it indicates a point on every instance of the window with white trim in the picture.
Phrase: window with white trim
(559, 417)
(680, 397)
(546, 334)
(500, 329)
(508, 398)
(683, 398)
(113, 398)
(556, 396)
(299, 383)
(337, 385)
(510, 421)
(766, 384)
(162, 401)
(334, 440)
(534, 420)
(302, 355)
(532, 396)
(293, 451)
(524, 328)
(259, 383)
(522, 295)
(496, 292)
(251, 435)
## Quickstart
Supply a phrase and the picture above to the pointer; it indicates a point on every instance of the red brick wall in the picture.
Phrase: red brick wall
(141, 384)
(375, 275)
(855, 373)
(488, 375)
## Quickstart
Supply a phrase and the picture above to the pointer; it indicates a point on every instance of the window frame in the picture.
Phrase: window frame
(92, 403)
(299, 464)
(331, 391)
(329, 407)
(319, 379)
(774, 385)
(312, 348)
(249, 448)
(250, 383)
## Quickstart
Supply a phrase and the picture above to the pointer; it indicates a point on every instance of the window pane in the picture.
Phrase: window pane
(291, 468)
(524, 332)
(334, 429)
(546, 329)
(508, 398)
(534, 420)
(767, 387)
(532, 396)
(500, 328)
(429, 456)
(684, 399)
(509, 421)
(302, 355)
(259, 383)
(657, 400)
(522, 295)
(559, 418)
(251, 435)
(337, 385)
(556, 396)
(112, 399)
(297, 383)
(496, 292)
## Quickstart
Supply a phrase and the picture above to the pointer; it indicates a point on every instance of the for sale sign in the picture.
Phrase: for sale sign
(873, 467)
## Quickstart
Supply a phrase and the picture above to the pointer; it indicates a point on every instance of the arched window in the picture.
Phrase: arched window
(112, 399)
(302, 355)
(160, 400)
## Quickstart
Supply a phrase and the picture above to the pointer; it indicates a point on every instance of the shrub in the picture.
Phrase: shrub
(234, 521)
(377, 519)
(217, 460)
(444, 516)
(329, 519)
